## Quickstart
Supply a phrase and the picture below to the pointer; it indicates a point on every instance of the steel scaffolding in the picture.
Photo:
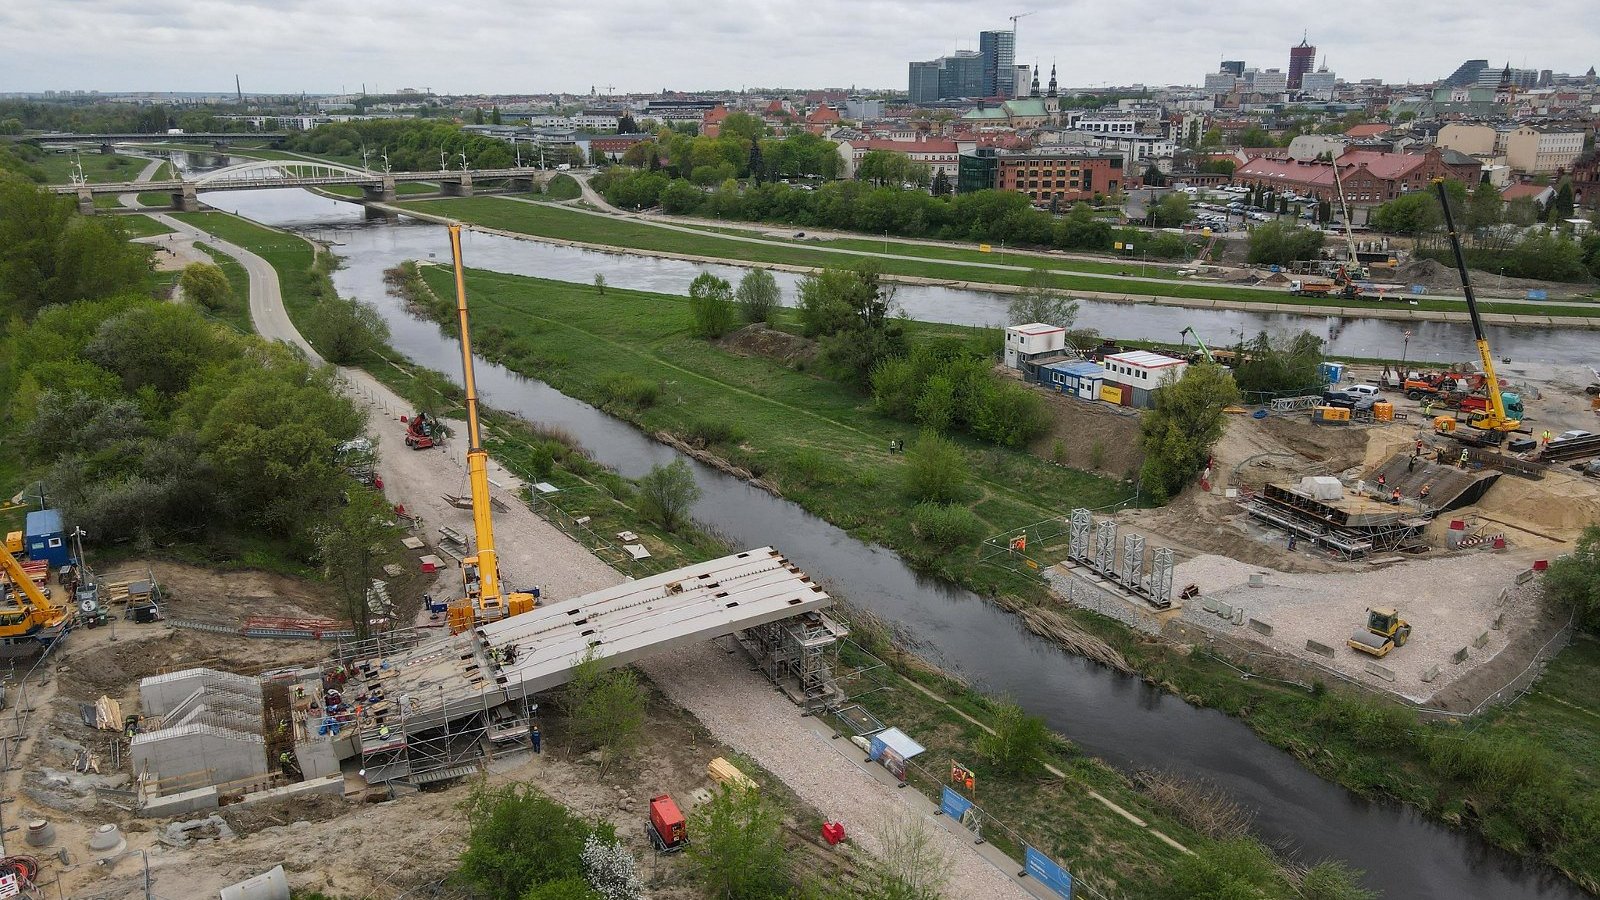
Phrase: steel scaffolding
(798, 655)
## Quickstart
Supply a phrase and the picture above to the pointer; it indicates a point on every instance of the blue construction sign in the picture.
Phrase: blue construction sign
(1048, 871)
(1538, 295)
(954, 805)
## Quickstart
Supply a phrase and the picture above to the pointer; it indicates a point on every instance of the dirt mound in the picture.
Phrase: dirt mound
(1559, 505)
(1094, 437)
(766, 342)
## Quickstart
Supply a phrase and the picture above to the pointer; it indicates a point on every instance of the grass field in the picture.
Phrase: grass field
(819, 440)
(142, 226)
(236, 314)
(97, 167)
(543, 220)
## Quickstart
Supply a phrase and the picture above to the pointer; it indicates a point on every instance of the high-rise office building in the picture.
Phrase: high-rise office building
(1302, 58)
(1467, 73)
(999, 52)
(961, 75)
(1024, 74)
(925, 82)
(1234, 67)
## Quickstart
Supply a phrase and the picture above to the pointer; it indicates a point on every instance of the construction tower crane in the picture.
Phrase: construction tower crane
(484, 599)
(1014, 29)
(29, 621)
(1353, 262)
(1494, 418)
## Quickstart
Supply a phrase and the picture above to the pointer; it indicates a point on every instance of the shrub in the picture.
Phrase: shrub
(758, 295)
(935, 469)
(611, 869)
(622, 389)
(706, 432)
(738, 851)
(344, 328)
(945, 527)
(1017, 738)
(711, 305)
(667, 493)
(206, 285)
(519, 839)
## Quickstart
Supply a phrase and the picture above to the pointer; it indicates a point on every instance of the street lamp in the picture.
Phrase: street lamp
(1405, 352)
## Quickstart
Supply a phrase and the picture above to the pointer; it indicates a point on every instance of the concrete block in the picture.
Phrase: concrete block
(1525, 576)
(1460, 656)
(1238, 615)
(1319, 649)
(332, 785)
(1498, 623)
(1384, 672)
(1479, 641)
(1258, 579)
(1208, 604)
(1261, 627)
(1501, 598)
(1431, 673)
(1225, 610)
(180, 803)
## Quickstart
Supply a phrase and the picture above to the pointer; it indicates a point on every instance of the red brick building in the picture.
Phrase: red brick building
(1061, 176)
(1586, 180)
(1369, 177)
(615, 145)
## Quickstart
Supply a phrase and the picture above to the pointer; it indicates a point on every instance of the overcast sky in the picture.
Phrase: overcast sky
(498, 46)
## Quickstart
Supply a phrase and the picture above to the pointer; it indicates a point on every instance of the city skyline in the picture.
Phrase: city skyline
(635, 47)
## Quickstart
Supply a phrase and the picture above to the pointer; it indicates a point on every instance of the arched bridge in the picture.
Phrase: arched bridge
(297, 173)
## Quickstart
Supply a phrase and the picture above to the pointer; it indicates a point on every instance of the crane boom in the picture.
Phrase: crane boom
(480, 573)
(1495, 419)
(34, 611)
(1206, 351)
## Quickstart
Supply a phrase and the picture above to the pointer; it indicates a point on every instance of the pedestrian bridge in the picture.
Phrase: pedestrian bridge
(297, 173)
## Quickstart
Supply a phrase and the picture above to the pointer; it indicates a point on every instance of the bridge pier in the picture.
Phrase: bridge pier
(85, 200)
(461, 187)
(186, 200)
(382, 193)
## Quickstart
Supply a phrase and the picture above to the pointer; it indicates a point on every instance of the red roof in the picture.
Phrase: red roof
(822, 114)
(1518, 191)
(1372, 129)
(714, 115)
(1388, 166)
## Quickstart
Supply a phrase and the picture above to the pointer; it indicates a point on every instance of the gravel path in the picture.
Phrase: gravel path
(741, 708)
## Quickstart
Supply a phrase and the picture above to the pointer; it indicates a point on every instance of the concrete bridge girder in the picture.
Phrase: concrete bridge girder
(460, 187)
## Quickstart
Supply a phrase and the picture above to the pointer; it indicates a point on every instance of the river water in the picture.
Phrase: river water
(1116, 717)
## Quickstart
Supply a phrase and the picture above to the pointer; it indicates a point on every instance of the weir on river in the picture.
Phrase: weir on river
(1116, 717)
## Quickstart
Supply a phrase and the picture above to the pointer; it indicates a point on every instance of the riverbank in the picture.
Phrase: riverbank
(575, 228)
(1369, 744)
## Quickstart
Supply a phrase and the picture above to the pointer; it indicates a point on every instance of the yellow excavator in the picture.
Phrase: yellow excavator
(1385, 631)
(28, 620)
(1495, 422)
(484, 599)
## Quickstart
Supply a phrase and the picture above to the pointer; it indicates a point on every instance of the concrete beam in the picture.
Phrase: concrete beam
(461, 187)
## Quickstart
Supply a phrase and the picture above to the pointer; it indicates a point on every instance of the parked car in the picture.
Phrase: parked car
(1354, 396)
(1572, 435)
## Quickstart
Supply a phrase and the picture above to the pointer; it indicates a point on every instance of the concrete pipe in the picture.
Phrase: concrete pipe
(107, 840)
(40, 833)
(272, 884)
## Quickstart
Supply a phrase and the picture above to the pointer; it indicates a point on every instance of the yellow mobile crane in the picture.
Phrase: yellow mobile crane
(29, 621)
(1494, 420)
(480, 573)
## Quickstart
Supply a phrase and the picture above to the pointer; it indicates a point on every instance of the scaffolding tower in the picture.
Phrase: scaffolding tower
(798, 655)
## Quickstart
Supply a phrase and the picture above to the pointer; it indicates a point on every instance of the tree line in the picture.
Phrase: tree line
(412, 145)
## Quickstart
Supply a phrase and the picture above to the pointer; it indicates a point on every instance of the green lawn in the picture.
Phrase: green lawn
(236, 314)
(97, 167)
(545, 220)
(290, 255)
(818, 440)
(155, 198)
(142, 226)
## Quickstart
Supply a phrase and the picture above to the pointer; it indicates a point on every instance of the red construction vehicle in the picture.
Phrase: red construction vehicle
(420, 431)
(666, 826)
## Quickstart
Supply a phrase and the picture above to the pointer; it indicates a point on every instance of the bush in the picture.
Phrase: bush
(667, 494)
(1281, 244)
(563, 187)
(944, 527)
(607, 708)
(206, 285)
(343, 329)
(521, 839)
(611, 869)
(1177, 435)
(1573, 581)
(758, 295)
(1014, 745)
(711, 304)
(1011, 415)
(706, 432)
(737, 852)
(935, 469)
(623, 389)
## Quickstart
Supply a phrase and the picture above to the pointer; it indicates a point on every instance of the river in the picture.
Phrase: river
(1116, 717)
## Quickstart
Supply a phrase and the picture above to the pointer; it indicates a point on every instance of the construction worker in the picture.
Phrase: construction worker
(1544, 439)
(1419, 446)
(1411, 464)
(1464, 457)
(286, 762)
(1423, 494)
(538, 741)
(1395, 497)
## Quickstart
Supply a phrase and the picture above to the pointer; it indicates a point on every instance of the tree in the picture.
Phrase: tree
(758, 295)
(909, 864)
(607, 708)
(477, 116)
(850, 311)
(681, 198)
(206, 285)
(1171, 211)
(737, 852)
(1177, 435)
(1014, 744)
(1409, 214)
(667, 493)
(494, 117)
(626, 124)
(1266, 368)
(520, 839)
(1281, 243)
(1485, 207)
(611, 869)
(935, 469)
(344, 328)
(711, 304)
(1562, 207)
(1573, 581)
(941, 184)
(345, 548)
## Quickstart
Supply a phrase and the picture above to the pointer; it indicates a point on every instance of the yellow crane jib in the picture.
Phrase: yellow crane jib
(1495, 417)
(31, 614)
(483, 598)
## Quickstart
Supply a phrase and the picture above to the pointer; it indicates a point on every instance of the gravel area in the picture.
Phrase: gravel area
(741, 708)
(532, 551)
(1449, 601)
